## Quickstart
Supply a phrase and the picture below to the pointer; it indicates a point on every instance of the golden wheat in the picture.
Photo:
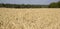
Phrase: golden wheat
(32, 18)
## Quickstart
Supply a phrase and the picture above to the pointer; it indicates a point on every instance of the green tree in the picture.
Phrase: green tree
(53, 5)
(58, 4)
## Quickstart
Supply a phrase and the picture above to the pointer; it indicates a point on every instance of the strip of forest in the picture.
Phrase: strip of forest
(52, 5)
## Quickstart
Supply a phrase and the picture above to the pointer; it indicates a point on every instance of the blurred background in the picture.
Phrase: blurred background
(30, 3)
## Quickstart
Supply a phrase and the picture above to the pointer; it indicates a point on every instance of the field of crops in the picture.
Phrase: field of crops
(31, 18)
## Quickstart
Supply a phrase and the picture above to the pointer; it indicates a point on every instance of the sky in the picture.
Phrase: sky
(42, 2)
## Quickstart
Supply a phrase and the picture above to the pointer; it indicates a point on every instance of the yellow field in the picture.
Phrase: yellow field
(32, 18)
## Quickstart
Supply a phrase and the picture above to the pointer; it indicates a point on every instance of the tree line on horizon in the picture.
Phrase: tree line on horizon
(52, 5)
(22, 6)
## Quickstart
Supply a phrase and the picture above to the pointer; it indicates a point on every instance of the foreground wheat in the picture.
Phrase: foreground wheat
(29, 18)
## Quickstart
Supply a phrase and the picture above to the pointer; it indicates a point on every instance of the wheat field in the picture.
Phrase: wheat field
(30, 18)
